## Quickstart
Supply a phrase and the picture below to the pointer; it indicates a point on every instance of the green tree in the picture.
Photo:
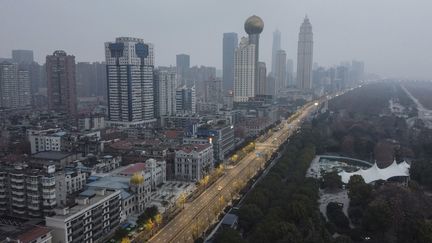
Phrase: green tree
(249, 215)
(336, 216)
(343, 239)
(331, 180)
(377, 217)
(228, 236)
(120, 233)
(359, 192)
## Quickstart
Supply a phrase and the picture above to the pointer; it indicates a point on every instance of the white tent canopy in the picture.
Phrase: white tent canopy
(374, 173)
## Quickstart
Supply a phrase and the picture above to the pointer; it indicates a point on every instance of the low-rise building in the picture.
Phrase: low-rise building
(68, 182)
(92, 122)
(22, 231)
(94, 217)
(45, 140)
(193, 162)
(135, 182)
(221, 136)
(59, 159)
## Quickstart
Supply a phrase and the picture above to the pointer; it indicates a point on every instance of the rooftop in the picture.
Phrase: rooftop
(374, 173)
(33, 234)
(93, 199)
(51, 155)
(132, 169)
(194, 147)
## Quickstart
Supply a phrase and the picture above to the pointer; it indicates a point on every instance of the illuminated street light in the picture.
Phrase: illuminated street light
(316, 104)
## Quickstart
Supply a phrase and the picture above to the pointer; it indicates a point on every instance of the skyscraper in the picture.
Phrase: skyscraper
(244, 76)
(305, 56)
(130, 64)
(275, 48)
(22, 56)
(183, 65)
(14, 86)
(246, 61)
(230, 43)
(261, 88)
(280, 72)
(165, 92)
(61, 83)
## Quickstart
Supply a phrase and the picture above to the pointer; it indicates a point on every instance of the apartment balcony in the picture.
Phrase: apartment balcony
(48, 182)
(48, 190)
(17, 179)
(97, 218)
(34, 194)
(18, 200)
(2, 195)
(34, 214)
(51, 196)
(17, 210)
(18, 193)
(19, 186)
(32, 181)
(78, 238)
(49, 203)
(32, 187)
(33, 207)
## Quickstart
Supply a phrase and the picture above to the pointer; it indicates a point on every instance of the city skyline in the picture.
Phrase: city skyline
(336, 40)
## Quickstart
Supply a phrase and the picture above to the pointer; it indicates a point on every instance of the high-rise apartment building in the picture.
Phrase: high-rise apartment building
(61, 83)
(275, 48)
(14, 86)
(305, 56)
(230, 43)
(129, 65)
(183, 65)
(244, 76)
(27, 192)
(165, 92)
(186, 100)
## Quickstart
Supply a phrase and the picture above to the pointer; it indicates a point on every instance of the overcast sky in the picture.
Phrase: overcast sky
(393, 37)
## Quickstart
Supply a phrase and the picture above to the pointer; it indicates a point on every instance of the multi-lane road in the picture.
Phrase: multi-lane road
(199, 214)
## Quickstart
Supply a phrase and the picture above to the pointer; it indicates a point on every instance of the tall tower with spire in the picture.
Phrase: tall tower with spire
(305, 56)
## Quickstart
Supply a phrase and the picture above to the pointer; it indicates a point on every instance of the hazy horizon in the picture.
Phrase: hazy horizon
(391, 42)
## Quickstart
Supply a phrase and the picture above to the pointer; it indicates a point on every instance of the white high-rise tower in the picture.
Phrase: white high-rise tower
(246, 61)
(244, 71)
(305, 56)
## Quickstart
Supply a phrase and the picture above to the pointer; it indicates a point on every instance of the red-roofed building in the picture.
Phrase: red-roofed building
(37, 234)
(132, 169)
(193, 162)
